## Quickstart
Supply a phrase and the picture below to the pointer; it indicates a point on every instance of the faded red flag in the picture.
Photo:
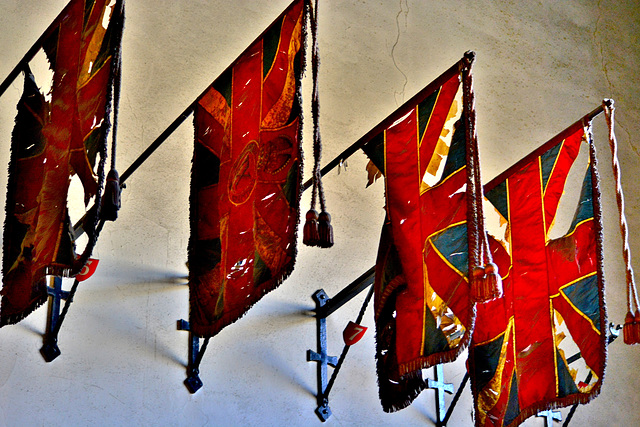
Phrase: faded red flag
(423, 310)
(553, 305)
(246, 177)
(51, 142)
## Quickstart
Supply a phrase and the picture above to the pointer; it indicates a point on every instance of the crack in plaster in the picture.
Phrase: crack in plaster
(597, 37)
(395, 44)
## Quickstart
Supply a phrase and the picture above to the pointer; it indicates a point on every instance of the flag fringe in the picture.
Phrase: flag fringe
(563, 402)
(410, 376)
(212, 330)
(17, 317)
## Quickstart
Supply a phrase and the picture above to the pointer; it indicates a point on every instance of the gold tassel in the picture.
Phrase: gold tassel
(310, 232)
(486, 283)
(493, 281)
(325, 230)
(631, 328)
(477, 280)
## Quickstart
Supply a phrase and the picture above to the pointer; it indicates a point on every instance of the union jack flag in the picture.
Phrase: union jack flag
(553, 301)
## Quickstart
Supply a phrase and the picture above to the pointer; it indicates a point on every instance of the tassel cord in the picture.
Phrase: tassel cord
(117, 63)
(318, 190)
(485, 252)
(632, 293)
(473, 222)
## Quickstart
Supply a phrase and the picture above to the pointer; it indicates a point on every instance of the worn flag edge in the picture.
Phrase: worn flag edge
(273, 283)
(580, 398)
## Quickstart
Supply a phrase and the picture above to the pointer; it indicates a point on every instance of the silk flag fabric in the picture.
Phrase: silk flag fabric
(422, 308)
(52, 141)
(246, 177)
(522, 356)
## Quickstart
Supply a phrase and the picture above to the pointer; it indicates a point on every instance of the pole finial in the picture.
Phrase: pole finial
(608, 103)
(469, 57)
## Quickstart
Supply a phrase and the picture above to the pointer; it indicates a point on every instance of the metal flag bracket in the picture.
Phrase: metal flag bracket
(193, 381)
(50, 350)
(441, 387)
(325, 306)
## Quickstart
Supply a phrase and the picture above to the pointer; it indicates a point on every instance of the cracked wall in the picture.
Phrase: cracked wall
(540, 66)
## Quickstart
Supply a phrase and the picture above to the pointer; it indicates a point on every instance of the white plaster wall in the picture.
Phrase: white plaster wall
(540, 66)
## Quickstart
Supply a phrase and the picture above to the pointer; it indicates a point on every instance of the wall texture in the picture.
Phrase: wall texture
(540, 66)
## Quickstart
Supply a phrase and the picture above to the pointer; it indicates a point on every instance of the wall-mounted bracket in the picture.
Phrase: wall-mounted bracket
(321, 356)
(550, 417)
(441, 387)
(193, 381)
(50, 350)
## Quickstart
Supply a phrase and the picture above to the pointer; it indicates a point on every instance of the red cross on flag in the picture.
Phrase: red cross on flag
(553, 301)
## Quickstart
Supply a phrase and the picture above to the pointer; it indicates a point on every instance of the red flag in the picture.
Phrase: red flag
(246, 174)
(422, 307)
(553, 303)
(53, 141)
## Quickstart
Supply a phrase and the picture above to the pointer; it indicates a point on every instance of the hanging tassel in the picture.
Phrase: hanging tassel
(310, 232)
(636, 327)
(486, 283)
(325, 230)
(317, 229)
(477, 284)
(111, 199)
(492, 282)
(631, 328)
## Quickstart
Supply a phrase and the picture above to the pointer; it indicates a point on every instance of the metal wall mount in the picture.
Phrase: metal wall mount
(50, 350)
(193, 381)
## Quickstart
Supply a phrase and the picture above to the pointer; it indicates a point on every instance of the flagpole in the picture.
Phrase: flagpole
(403, 109)
(543, 148)
(157, 143)
(32, 51)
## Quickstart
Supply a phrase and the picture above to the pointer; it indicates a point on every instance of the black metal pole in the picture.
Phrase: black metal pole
(31, 52)
(456, 397)
(345, 350)
(347, 293)
(157, 143)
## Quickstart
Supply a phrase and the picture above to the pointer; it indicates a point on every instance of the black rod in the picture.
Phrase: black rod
(345, 350)
(157, 143)
(32, 51)
(544, 147)
(454, 402)
(196, 363)
(403, 109)
(347, 293)
(65, 309)
(187, 112)
(329, 166)
(572, 411)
